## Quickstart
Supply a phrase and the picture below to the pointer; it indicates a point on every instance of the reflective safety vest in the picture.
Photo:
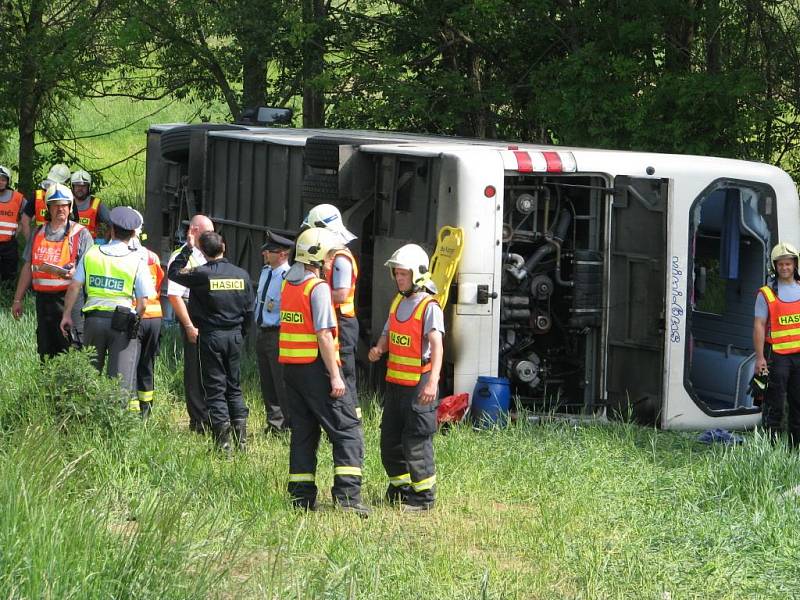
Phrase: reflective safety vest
(109, 279)
(784, 323)
(297, 342)
(152, 309)
(405, 366)
(60, 254)
(9, 215)
(348, 307)
(88, 217)
(39, 207)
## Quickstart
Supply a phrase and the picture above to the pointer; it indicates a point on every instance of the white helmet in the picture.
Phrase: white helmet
(314, 244)
(6, 172)
(784, 250)
(58, 194)
(327, 216)
(58, 173)
(81, 176)
(415, 259)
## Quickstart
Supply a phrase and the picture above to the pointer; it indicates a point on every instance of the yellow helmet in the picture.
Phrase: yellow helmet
(314, 244)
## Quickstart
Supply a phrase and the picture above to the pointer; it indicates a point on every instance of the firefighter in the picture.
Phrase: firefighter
(275, 253)
(113, 277)
(149, 330)
(35, 212)
(221, 306)
(777, 314)
(178, 297)
(11, 202)
(50, 259)
(413, 336)
(318, 398)
(342, 279)
(89, 211)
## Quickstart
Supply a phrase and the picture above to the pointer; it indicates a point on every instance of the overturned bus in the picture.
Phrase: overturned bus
(600, 283)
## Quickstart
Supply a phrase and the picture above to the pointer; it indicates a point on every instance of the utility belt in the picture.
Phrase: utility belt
(122, 320)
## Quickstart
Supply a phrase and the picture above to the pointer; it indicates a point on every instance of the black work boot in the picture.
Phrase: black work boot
(222, 437)
(144, 409)
(240, 434)
(395, 494)
(352, 506)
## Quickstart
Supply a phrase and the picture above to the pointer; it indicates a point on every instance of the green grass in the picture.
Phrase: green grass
(545, 511)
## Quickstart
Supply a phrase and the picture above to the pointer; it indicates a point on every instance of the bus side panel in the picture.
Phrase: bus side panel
(472, 342)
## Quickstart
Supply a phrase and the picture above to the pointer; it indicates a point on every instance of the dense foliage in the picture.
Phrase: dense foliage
(716, 77)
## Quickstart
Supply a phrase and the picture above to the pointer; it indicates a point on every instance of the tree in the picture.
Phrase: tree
(53, 50)
(227, 51)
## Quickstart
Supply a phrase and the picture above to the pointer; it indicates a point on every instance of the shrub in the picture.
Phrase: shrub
(77, 395)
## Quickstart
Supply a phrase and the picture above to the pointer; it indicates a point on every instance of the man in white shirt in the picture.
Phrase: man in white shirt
(178, 297)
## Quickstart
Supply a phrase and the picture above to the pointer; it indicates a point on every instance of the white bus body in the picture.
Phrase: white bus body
(600, 283)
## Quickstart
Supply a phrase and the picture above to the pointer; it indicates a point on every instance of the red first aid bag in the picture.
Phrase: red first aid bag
(452, 408)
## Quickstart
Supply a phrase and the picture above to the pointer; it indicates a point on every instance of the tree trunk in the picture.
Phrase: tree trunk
(313, 63)
(29, 96)
(254, 79)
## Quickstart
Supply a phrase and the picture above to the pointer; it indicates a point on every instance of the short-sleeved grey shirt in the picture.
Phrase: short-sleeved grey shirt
(786, 292)
(342, 273)
(432, 319)
(321, 303)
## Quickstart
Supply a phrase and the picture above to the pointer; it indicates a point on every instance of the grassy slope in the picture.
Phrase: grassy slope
(548, 511)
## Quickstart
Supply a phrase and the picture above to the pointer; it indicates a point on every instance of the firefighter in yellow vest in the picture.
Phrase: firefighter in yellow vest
(342, 278)
(89, 211)
(149, 330)
(413, 337)
(317, 396)
(35, 212)
(11, 202)
(50, 259)
(114, 277)
(777, 322)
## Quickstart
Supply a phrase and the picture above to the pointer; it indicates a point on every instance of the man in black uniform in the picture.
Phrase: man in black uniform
(221, 307)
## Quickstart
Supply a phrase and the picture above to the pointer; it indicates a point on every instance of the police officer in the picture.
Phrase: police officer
(221, 306)
(35, 212)
(776, 309)
(318, 398)
(113, 276)
(413, 337)
(50, 259)
(342, 279)
(178, 297)
(149, 331)
(11, 202)
(275, 253)
(89, 210)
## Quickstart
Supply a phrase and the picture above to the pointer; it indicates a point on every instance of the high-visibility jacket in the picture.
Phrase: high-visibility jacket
(784, 323)
(39, 207)
(348, 307)
(297, 341)
(405, 365)
(88, 217)
(9, 216)
(56, 253)
(152, 309)
(109, 279)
